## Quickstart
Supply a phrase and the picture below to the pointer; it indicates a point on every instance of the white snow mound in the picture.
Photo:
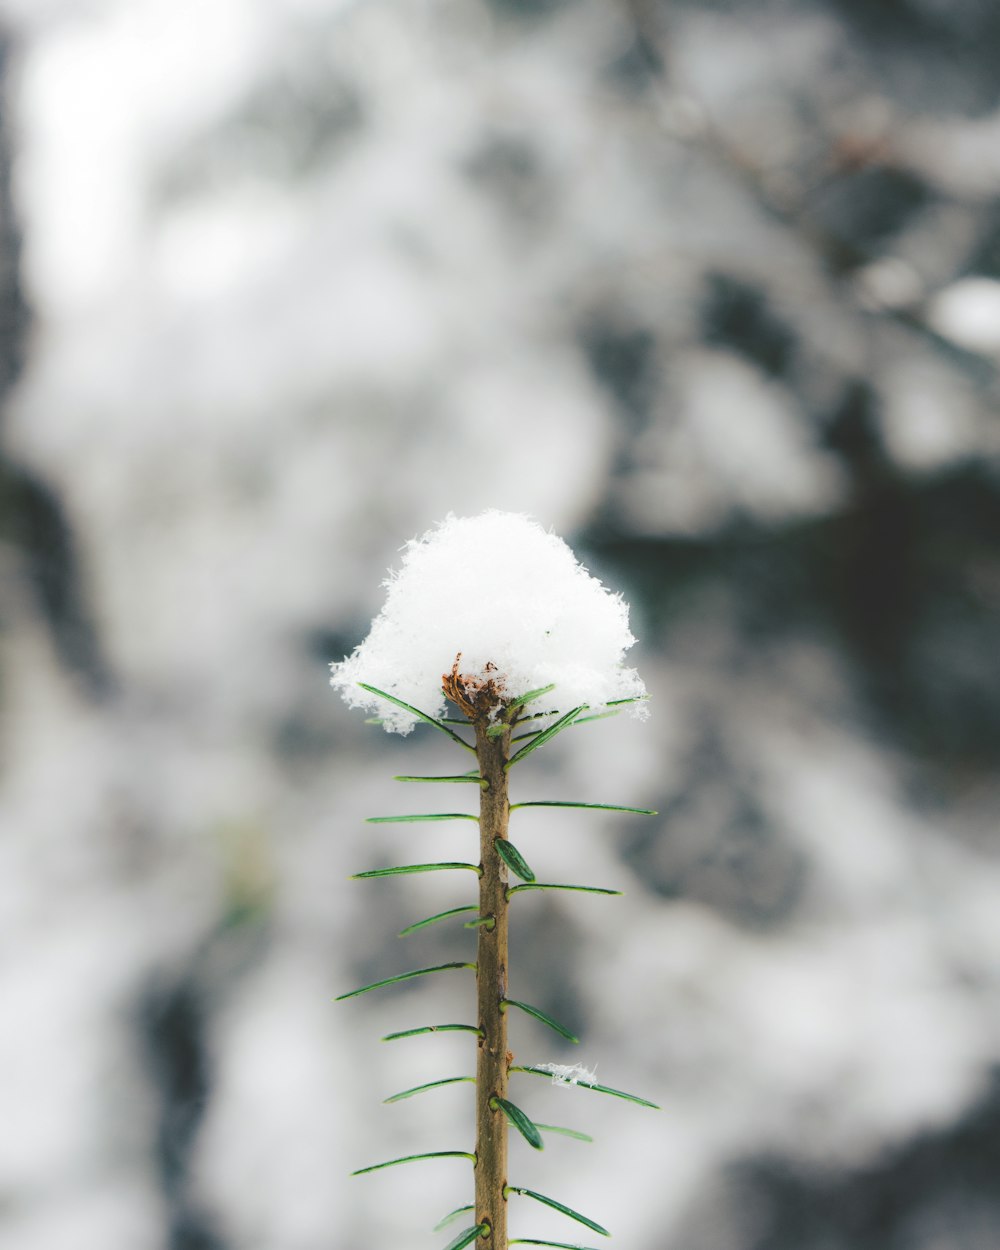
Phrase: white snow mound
(501, 590)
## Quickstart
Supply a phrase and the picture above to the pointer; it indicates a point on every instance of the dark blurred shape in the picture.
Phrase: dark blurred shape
(527, 8)
(552, 983)
(509, 168)
(14, 314)
(173, 1028)
(939, 1189)
(173, 1020)
(869, 583)
(930, 56)
(853, 432)
(32, 519)
(736, 315)
(303, 737)
(910, 572)
(865, 208)
(332, 645)
(903, 580)
(306, 735)
(622, 357)
(984, 260)
(638, 67)
(716, 846)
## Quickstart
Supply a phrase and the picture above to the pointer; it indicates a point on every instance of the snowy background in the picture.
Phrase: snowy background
(711, 289)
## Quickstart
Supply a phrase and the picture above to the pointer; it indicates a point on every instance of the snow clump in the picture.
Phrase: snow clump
(513, 602)
(568, 1073)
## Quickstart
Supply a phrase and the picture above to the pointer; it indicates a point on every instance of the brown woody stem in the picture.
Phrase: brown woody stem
(491, 981)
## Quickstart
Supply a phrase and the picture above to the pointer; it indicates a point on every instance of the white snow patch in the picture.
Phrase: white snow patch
(569, 1073)
(502, 591)
(968, 313)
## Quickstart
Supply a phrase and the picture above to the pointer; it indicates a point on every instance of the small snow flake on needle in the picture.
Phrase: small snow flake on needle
(568, 1073)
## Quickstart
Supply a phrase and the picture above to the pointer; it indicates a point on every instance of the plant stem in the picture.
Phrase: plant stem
(491, 984)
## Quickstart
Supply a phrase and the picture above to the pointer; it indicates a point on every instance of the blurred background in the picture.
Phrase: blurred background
(713, 290)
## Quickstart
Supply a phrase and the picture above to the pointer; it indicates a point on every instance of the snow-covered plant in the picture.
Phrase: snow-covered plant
(494, 616)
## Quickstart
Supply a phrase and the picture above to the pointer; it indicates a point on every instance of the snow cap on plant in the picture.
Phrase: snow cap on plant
(510, 600)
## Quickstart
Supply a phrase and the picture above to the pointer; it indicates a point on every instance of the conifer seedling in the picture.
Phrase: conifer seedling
(494, 616)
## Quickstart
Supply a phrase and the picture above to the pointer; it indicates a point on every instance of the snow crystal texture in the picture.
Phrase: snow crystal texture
(501, 590)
